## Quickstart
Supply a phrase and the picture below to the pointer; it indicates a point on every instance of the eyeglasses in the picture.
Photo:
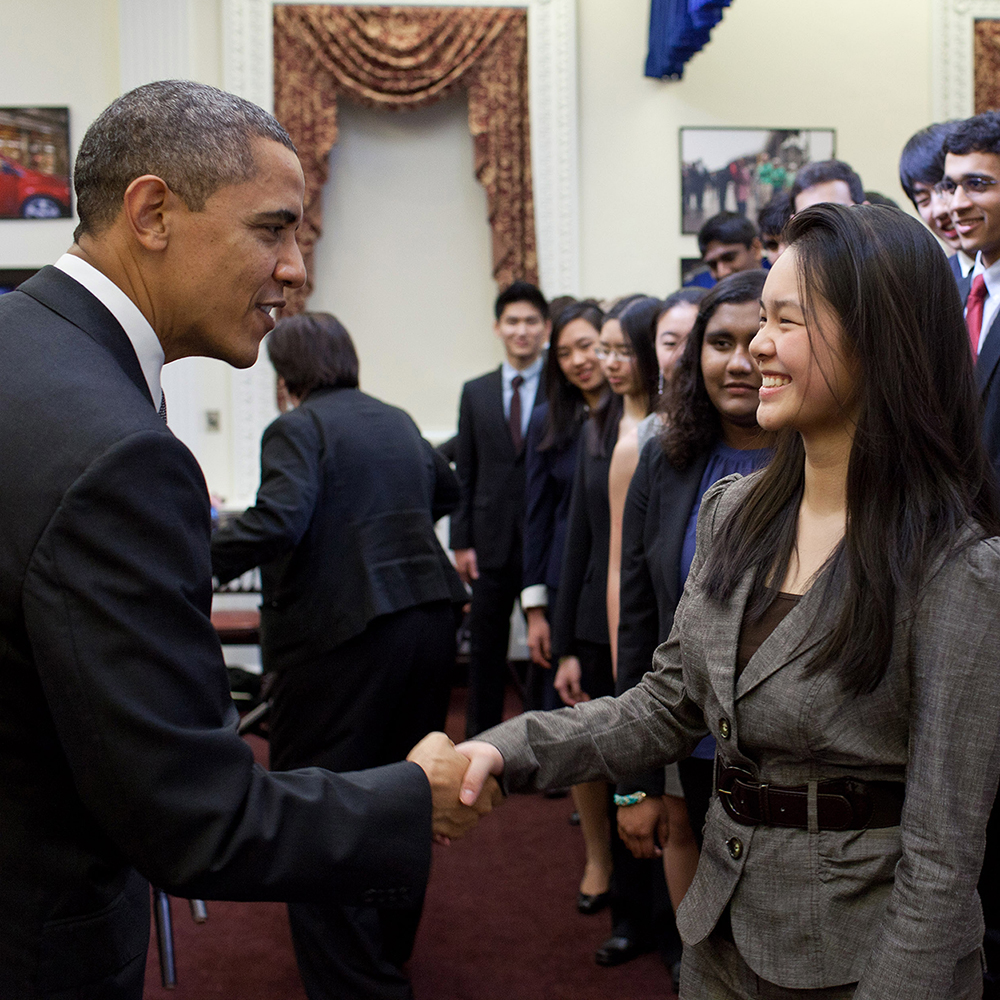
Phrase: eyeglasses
(972, 185)
(621, 353)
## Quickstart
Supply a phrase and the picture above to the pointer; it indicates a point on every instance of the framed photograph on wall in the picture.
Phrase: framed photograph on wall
(739, 169)
(34, 163)
(11, 277)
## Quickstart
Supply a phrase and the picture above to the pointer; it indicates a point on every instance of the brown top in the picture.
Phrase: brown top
(753, 634)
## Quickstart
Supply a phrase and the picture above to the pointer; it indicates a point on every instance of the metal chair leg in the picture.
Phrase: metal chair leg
(164, 938)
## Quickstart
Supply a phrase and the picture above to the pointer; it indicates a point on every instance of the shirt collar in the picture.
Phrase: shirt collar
(509, 371)
(144, 341)
(990, 274)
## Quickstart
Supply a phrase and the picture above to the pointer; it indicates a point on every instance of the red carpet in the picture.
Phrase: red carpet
(499, 923)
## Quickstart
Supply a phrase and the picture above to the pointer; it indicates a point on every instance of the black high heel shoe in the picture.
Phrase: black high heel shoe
(589, 904)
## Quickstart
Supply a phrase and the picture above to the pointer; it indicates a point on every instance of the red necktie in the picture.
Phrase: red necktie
(515, 411)
(974, 312)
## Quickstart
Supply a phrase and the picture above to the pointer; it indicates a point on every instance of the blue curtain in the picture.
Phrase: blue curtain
(677, 30)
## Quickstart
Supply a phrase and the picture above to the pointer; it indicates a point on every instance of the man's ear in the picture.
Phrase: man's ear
(756, 247)
(147, 202)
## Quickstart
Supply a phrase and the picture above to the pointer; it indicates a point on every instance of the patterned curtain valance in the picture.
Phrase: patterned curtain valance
(409, 57)
(677, 30)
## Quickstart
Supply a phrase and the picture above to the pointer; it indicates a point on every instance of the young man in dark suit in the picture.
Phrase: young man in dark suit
(486, 530)
(119, 758)
(972, 182)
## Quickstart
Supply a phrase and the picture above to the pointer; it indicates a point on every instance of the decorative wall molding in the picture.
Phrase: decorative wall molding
(248, 70)
(952, 66)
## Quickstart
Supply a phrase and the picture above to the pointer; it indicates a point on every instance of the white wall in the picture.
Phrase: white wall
(405, 259)
(862, 68)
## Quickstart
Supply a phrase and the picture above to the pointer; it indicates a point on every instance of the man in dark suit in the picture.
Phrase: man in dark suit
(972, 181)
(486, 530)
(357, 612)
(119, 758)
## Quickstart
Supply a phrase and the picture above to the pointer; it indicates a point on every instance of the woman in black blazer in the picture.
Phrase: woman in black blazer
(580, 642)
(709, 431)
(358, 610)
(574, 386)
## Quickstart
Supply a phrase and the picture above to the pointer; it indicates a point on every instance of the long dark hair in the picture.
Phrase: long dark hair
(602, 428)
(918, 474)
(691, 424)
(566, 402)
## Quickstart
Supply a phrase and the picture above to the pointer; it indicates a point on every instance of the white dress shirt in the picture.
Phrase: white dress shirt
(145, 343)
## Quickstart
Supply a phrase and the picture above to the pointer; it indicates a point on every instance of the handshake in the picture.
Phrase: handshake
(463, 786)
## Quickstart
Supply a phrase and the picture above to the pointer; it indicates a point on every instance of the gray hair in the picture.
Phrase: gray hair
(195, 137)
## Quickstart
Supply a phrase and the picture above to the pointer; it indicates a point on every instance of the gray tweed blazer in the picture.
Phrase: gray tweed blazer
(893, 909)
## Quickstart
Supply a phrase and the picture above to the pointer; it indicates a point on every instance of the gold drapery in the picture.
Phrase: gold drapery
(987, 65)
(410, 57)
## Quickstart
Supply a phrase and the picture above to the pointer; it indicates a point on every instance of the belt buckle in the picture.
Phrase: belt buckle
(731, 797)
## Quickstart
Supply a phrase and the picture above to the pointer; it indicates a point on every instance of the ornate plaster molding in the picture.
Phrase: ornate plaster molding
(552, 67)
(952, 67)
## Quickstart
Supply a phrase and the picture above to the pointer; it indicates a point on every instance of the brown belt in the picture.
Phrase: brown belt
(841, 803)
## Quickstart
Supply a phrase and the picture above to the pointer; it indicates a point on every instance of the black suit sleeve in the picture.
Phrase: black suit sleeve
(447, 492)
(290, 455)
(540, 509)
(638, 624)
(465, 464)
(576, 555)
(116, 601)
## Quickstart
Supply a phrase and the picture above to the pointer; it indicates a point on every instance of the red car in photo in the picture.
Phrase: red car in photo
(28, 194)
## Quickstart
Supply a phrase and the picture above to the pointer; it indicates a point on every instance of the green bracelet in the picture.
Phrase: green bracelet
(629, 800)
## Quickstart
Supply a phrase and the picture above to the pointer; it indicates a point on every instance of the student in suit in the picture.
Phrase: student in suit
(358, 611)
(971, 183)
(707, 430)
(574, 386)
(921, 169)
(837, 636)
(486, 529)
(119, 758)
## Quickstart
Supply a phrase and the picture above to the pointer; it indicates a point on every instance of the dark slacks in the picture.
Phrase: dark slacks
(362, 705)
(493, 597)
(640, 904)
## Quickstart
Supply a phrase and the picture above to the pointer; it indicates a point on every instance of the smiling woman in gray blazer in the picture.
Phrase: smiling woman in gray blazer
(838, 635)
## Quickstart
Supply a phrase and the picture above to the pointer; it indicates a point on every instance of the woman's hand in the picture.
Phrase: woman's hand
(539, 637)
(639, 824)
(567, 681)
(484, 760)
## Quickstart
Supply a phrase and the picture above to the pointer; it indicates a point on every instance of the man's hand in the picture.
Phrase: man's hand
(539, 637)
(567, 681)
(483, 760)
(465, 563)
(446, 768)
(637, 825)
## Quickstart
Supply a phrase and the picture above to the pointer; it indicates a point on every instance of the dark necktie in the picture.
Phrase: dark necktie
(974, 312)
(515, 413)
(163, 406)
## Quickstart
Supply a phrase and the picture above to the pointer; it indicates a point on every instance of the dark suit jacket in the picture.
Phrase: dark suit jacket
(343, 526)
(988, 379)
(657, 510)
(547, 493)
(490, 516)
(118, 745)
(582, 603)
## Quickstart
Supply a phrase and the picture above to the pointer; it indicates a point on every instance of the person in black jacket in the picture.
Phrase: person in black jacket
(486, 528)
(574, 386)
(358, 612)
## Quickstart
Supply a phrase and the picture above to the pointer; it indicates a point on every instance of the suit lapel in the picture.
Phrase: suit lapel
(798, 632)
(986, 363)
(70, 300)
(676, 503)
(494, 410)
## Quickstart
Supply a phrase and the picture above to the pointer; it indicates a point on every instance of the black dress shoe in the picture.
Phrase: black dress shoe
(589, 904)
(618, 950)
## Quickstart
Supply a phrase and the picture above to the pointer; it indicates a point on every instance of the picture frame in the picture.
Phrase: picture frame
(738, 169)
(35, 163)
